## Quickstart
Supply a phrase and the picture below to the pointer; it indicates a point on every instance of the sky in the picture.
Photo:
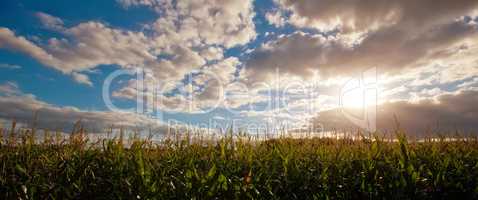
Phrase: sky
(253, 65)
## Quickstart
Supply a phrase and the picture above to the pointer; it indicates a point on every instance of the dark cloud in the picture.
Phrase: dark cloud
(444, 113)
(391, 35)
(390, 49)
(357, 16)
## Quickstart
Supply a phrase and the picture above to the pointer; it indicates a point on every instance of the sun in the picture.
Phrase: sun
(357, 97)
(353, 99)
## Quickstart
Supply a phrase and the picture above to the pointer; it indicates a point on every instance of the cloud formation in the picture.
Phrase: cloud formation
(16, 105)
(276, 18)
(444, 113)
(213, 86)
(82, 78)
(227, 23)
(392, 35)
(50, 22)
(185, 35)
(9, 40)
(430, 45)
(9, 66)
(361, 16)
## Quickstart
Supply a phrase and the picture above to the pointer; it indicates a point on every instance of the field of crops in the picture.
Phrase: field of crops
(236, 168)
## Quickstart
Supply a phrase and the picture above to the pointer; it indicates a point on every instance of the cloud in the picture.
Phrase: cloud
(9, 88)
(130, 3)
(445, 112)
(22, 107)
(363, 16)
(50, 22)
(296, 54)
(206, 89)
(186, 36)
(9, 66)
(391, 50)
(183, 60)
(223, 70)
(226, 23)
(9, 40)
(212, 53)
(356, 35)
(275, 18)
(433, 37)
(82, 78)
(92, 44)
(470, 84)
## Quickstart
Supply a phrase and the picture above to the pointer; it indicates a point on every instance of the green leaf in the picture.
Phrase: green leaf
(211, 172)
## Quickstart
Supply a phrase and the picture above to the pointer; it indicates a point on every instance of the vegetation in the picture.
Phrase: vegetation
(235, 168)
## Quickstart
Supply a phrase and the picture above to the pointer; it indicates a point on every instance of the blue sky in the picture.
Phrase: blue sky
(57, 55)
(55, 87)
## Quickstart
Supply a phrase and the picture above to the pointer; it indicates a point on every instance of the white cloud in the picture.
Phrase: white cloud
(212, 53)
(9, 40)
(9, 66)
(82, 78)
(396, 36)
(224, 69)
(276, 18)
(212, 22)
(93, 44)
(207, 89)
(9, 88)
(50, 22)
(431, 92)
(469, 84)
(22, 107)
(184, 37)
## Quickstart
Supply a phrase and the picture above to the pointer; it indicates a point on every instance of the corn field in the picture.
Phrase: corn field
(235, 168)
